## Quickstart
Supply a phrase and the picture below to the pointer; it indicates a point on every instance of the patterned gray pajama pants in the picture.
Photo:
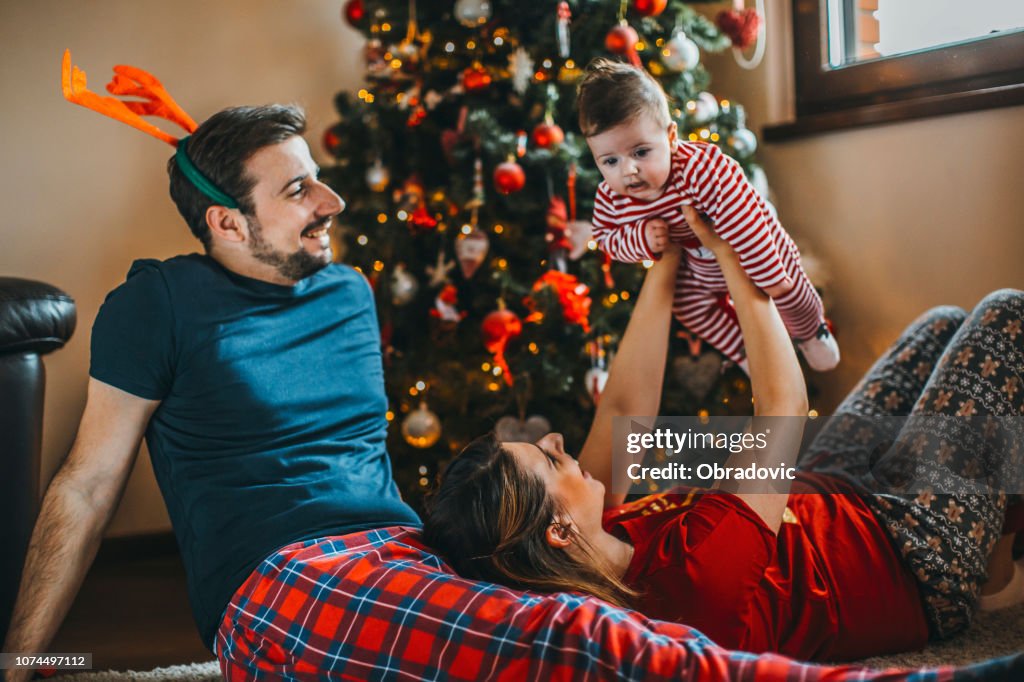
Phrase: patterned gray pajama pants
(933, 434)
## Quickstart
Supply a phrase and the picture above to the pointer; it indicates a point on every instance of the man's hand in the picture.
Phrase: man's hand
(77, 507)
(656, 234)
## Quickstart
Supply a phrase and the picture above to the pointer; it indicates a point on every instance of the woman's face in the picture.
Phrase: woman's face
(579, 494)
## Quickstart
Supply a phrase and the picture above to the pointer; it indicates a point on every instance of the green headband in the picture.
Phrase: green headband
(201, 182)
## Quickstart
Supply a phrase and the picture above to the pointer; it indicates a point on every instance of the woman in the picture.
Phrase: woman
(833, 570)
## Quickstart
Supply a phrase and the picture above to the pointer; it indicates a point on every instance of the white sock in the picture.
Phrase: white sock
(821, 352)
(1011, 595)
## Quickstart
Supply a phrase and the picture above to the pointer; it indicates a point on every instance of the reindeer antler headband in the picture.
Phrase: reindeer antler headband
(132, 82)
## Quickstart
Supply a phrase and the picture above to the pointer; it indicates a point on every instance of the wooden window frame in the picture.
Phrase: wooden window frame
(966, 76)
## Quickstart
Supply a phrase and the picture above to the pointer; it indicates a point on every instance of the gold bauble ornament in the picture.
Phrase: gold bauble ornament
(421, 428)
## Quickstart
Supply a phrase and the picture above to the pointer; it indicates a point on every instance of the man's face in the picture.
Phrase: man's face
(635, 157)
(293, 210)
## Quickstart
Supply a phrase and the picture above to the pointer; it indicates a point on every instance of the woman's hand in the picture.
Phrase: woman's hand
(780, 395)
(705, 233)
(637, 373)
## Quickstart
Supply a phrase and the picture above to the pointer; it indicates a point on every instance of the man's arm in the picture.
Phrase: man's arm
(637, 372)
(76, 509)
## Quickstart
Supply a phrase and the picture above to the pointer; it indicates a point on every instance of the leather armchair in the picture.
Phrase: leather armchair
(35, 319)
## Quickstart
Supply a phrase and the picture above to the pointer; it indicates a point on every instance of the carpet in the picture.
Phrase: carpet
(992, 635)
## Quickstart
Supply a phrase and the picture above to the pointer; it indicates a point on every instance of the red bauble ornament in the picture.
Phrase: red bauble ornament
(622, 39)
(475, 78)
(740, 26)
(354, 12)
(497, 329)
(557, 219)
(331, 140)
(547, 135)
(416, 117)
(509, 177)
(422, 219)
(650, 8)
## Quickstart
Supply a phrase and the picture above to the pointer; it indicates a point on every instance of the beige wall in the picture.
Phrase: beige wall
(83, 196)
(904, 216)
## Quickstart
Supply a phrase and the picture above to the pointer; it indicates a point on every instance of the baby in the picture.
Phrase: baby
(649, 174)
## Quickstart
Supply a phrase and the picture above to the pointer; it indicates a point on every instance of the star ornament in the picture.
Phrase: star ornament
(438, 273)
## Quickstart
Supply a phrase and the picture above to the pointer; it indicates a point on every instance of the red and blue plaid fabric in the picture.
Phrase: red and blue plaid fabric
(377, 605)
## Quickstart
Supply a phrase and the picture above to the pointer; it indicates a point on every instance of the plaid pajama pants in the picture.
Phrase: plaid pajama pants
(377, 605)
(938, 485)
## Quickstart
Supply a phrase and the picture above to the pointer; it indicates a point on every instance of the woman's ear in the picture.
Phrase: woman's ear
(227, 224)
(559, 535)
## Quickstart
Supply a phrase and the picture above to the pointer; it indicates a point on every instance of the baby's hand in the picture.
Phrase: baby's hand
(656, 233)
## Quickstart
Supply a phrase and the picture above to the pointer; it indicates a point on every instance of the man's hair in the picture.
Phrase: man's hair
(612, 93)
(489, 519)
(220, 148)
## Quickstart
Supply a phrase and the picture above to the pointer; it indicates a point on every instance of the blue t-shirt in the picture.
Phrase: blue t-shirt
(272, 423)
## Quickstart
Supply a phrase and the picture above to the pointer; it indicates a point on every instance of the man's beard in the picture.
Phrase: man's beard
(294, 266)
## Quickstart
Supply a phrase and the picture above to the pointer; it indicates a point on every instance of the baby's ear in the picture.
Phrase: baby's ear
(673, 132)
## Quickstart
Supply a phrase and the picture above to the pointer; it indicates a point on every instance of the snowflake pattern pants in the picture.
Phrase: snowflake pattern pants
(939, 485)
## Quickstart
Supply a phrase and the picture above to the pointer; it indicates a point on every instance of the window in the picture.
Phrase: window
(871, 61)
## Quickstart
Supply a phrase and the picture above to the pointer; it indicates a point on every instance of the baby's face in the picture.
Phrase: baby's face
(635, 157)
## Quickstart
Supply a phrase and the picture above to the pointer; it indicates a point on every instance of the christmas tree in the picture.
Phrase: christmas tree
(469, 190)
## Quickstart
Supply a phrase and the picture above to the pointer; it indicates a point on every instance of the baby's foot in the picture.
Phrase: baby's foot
(821, 351)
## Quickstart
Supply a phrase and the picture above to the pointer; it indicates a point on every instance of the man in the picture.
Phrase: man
(254, 373)
(253, 370)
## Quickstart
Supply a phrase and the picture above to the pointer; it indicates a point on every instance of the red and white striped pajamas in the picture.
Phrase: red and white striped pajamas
(714, 184)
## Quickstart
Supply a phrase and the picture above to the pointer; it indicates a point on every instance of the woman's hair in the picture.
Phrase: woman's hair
(612, 93)
(489, 517)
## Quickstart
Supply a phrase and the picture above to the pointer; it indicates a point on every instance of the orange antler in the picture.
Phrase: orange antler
(130, 81)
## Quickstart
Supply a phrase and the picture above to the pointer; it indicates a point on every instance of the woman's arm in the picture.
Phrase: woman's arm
(776, 380)
(637, 372)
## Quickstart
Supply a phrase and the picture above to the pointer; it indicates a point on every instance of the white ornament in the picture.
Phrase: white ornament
(594, 380)
(515, 430)
(705, 109)
(377, 177)
(472, 13)
(743, 141)
(680, 53)
(421, 428)
(759, 179)
(521, 66)
(403, 286)
(432, 99)
(471, 249)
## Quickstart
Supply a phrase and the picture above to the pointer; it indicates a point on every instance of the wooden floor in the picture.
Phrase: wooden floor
(133, 614)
